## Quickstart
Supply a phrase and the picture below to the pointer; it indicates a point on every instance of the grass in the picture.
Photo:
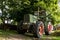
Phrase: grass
(6, 33)
(51, 37)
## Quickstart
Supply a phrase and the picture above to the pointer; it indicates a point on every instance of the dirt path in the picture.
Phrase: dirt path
(21, 37)
(15, 37)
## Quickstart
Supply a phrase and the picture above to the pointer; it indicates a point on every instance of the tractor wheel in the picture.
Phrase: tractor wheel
(21, 31)
(39, 31)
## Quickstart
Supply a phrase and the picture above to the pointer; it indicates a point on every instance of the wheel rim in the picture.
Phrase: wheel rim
(40, 30)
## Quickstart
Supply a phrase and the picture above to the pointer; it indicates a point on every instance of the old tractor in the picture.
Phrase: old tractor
(33, 24)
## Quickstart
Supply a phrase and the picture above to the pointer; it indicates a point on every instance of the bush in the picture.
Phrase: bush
(56, 33)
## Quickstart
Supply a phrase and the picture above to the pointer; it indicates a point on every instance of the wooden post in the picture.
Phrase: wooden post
(38, 13)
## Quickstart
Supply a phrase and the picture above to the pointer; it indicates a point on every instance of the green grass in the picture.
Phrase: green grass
(51, 37)
(6, 33)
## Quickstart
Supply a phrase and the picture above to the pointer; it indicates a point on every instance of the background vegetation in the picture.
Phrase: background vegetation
(16, 9)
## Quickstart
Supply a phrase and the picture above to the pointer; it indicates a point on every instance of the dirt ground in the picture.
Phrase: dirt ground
(16, 37)
(21, 37)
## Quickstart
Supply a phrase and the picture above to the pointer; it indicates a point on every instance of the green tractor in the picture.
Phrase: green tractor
(33, 24)
(28, 23)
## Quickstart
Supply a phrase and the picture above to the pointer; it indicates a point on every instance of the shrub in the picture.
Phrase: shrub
(56, 33)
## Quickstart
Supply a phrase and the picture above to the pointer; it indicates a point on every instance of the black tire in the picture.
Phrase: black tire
(31, 29)
(38, 31)
(46, 31)
(21, 31)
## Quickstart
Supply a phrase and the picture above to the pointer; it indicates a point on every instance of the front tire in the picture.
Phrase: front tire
(21, 31)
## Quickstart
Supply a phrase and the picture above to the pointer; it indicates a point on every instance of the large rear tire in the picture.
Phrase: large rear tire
(39, 30)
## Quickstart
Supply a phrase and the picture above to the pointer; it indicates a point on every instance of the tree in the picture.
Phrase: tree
(18, 8)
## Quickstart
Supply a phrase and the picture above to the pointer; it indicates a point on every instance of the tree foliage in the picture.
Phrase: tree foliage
(18, 8)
